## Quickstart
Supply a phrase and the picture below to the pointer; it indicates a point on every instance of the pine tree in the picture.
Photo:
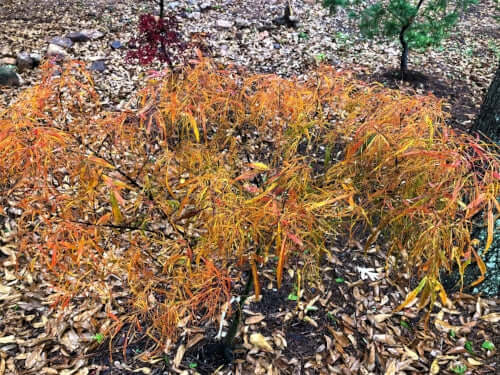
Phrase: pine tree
(416, 23)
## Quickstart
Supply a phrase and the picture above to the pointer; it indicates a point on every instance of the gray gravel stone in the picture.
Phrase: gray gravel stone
(174, 5)
(116, 44)
(193, 15)
(224, 24)
(98, 66)
(206, 5)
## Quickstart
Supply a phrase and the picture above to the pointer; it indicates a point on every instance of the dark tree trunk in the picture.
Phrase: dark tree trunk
(161, 8)
(404, 59)
(404, 43)
(488, 120)
(403, 68)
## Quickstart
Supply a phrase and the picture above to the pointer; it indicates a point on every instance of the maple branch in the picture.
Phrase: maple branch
(124, 227)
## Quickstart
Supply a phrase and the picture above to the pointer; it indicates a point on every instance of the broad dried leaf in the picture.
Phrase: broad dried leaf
(7, 339)
(435, 367)
(339, 337)
(179, 355)
(194, 340)
(254, 319)
(385, 338)
(261, 342)
(493, 317)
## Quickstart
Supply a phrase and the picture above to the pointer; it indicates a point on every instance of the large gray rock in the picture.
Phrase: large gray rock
(78, 37)
(24, 62)
(84, 35)
(56, 51)
(62, 41)
(36, 59)
(9, 77)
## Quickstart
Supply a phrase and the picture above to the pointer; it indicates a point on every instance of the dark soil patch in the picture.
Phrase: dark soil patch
(275, 300)
(124, 353)
(209, 356)
(302, 339)
(457, 93)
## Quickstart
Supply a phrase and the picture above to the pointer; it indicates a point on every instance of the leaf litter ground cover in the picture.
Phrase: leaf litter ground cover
(158, 211)
(31, 339)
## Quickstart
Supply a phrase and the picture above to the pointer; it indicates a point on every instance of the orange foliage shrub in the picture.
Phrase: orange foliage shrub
(216, 170)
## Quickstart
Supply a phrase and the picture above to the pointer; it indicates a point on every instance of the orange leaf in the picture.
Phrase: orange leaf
(295, 239)
(53, 261)
(119, 198)
(100, 161)
(481, 266)
(104, 219)
(248, 175)
(442, 295)
(118, 218)
(115, 183)
(413, 294)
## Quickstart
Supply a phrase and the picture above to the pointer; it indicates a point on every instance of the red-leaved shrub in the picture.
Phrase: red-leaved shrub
(159, 38)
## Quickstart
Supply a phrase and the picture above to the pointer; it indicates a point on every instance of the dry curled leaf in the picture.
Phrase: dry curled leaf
(254, 319)
(385, 338)
(391, 368)
(379, 318)
(144, 370)
(7, 339)
(435, 367)
(195, 340)
(339, 338)
(492, 318)
(260, 341)
(179, 355)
